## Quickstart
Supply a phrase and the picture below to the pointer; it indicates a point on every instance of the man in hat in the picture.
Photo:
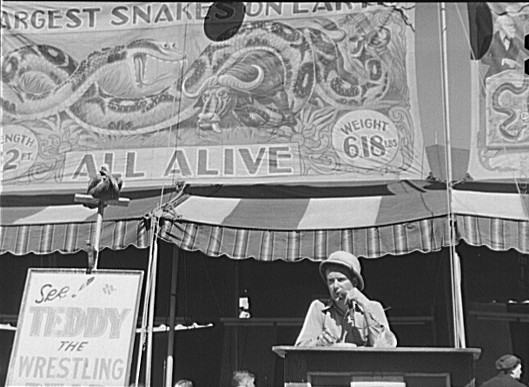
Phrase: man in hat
(510, 371)
(504, 47)
(349, 318)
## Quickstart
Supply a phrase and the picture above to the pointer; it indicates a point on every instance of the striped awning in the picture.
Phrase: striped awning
(283, 224)
(499, 221)
(273, 222)
(46, 224)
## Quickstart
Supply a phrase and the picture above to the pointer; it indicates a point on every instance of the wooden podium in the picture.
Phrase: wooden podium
(378, 367)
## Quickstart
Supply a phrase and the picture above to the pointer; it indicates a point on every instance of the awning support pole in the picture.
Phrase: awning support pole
(148, 288)
(148, 370)
(89, 200)
(97, 236)
(455, 264)
(172, 313)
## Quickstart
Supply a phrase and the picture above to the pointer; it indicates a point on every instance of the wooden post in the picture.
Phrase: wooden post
(172, 313)
(97, 235)
(101, 204)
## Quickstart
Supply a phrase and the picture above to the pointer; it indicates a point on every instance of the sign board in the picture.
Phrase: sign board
(301, 92)
(75, 328)
(500, 89)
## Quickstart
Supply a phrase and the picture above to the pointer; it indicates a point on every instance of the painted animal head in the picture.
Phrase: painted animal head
(220, 95)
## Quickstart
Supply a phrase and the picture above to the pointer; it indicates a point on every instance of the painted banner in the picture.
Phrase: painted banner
(500, 107)
(301, 92)
(75, 329)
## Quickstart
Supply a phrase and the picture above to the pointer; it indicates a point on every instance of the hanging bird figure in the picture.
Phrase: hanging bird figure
(104, 186)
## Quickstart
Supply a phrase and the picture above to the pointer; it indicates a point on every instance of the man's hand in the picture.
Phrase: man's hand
(355, 295)
(325, 339)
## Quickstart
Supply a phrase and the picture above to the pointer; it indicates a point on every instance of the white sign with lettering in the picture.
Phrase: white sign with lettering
(75, 328)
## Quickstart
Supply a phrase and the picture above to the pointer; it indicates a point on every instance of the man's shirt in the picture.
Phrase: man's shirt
(368, 327)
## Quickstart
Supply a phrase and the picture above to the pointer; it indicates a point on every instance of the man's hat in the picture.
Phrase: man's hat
(347, 260)
(507, 362)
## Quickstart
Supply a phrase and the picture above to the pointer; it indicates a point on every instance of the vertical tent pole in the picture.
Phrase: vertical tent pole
(172, 312)
(236, 326)
(91, 201)
(180, 186)
(455, 264)
(97, 236)
(148, 287)
(148, 369)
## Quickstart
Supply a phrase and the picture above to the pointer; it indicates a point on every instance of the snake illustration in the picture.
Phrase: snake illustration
(43, 80)
(514, 133)
(313, 65)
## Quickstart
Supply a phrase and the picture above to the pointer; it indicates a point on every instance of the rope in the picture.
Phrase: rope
(150, 291)
(178, 102)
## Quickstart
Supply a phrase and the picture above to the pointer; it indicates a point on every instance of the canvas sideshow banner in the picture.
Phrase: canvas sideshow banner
(500, 93)
(75, 329)
(301, 92)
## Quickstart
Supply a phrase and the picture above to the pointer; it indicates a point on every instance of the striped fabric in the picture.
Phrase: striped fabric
(294, 228)
(498, 234)
(513, 206)
(425, 235)
(71, 237)
(285, 223)
(497, 220)
(315, 213)
(34, 226)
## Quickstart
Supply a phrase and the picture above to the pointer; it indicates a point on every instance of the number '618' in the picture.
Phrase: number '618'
(365, 146)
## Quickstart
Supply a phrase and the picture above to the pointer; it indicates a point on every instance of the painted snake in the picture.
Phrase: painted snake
(42, 80)
(512, 134)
